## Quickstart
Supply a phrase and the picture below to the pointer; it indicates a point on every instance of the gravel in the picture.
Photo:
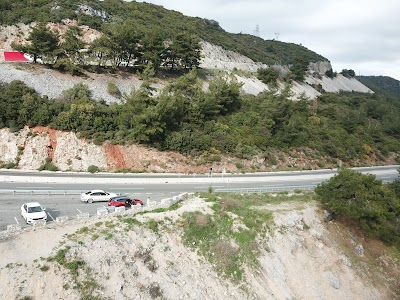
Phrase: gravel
(52, 83)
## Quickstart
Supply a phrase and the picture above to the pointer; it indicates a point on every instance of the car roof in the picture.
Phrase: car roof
(96, 191)
(32, 204)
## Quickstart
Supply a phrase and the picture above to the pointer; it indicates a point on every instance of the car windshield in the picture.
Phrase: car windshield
(34, 209)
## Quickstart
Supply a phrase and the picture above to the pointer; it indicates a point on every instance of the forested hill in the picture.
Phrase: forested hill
(182, 115)
(384, 85)
(96, 14)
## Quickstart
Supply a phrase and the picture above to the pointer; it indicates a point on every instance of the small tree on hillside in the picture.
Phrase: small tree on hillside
(69, 55)
(348, 73)
(299, 69)
(183, 52)
(268, 76)
(43, 43)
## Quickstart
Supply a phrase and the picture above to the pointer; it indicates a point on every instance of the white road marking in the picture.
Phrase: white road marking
(16, 220)
(127, 188)
(34, 187)
(206, 187)
(79, 211)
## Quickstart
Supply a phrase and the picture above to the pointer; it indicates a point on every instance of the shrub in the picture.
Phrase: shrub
(330, 73)
(273, 161)
(365, 200)
(48, 166)
(93, 169)
(113, 90)
(268, 76)
(9, 165)
(239, 165)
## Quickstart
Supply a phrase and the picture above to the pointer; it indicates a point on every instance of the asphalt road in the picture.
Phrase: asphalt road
(18, 187)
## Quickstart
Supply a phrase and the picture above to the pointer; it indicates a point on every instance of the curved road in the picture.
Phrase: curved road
(59, 192)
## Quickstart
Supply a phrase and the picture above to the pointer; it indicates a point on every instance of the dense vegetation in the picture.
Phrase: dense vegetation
(373, 206)
(384, 85)
(122, 44)
(155, 18)
(185, 118)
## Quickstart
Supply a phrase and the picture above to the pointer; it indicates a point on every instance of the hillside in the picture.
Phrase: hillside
(220, 113)
(151, 256)
(382, 84)
(95, 14)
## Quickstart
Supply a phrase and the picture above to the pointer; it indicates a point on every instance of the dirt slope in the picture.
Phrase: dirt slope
(301, 261)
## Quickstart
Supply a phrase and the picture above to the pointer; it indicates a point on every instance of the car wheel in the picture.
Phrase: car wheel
(90, 201)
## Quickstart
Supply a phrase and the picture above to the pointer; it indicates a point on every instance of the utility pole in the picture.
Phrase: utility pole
(257, 31)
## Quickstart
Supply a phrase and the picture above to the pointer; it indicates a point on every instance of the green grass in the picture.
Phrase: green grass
(226, 246)
(224, 243)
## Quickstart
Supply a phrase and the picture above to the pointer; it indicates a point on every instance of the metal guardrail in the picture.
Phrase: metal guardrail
(266, 189)
(227, 190)
(41, 192)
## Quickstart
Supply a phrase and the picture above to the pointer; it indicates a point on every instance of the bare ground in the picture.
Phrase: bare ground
(304, 259)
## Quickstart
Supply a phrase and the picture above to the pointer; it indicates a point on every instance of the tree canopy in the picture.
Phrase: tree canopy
(365, 200)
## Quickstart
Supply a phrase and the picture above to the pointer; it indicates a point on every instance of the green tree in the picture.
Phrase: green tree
(102, 50)
(348, 73)
(268, 76)
(298, 69)
(225, 93)
(153, 48)
(365, 200)
(69, 55)
(126, 42)
(183, 52)
(11, 99)
(43, 43)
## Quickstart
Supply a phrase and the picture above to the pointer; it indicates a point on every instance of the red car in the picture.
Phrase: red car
(124, 201)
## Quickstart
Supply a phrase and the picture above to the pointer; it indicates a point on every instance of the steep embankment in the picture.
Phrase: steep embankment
(30, 148)
(300, 258)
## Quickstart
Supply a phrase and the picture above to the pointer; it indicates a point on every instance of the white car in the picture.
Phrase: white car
(33, 212)
(96, 195)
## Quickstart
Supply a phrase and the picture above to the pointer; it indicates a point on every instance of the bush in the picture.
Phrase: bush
(273, 161)
(113, 90)
(365, 200)
(268, 76)
(93, 169)
(48, 166)
(9, 165)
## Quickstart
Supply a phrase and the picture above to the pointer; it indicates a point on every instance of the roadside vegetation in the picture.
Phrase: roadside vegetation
(221, 121)
(183, 117)
(362, 199)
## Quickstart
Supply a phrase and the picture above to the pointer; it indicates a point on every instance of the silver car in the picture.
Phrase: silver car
(96, 195)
